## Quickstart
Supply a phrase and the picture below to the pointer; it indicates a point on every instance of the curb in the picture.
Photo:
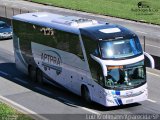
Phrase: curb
(22, 109)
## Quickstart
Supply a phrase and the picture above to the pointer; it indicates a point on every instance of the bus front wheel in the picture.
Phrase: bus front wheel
(86, 94)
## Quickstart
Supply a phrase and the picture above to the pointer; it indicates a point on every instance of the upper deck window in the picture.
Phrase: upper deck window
(118, 49)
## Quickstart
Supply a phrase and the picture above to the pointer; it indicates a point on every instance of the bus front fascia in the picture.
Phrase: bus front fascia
(104, 67)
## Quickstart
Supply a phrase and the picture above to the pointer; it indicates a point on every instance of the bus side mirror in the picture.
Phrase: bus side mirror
(152, 62)
(104, 69)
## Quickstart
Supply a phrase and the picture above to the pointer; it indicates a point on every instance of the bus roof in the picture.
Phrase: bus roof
(57, 21)
(88, 27)
(107, 32)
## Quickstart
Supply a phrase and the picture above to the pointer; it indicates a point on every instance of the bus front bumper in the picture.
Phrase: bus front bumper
(116, 98)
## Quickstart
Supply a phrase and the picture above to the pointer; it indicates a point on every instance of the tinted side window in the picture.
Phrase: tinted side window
(69, 42)
(51, 37)
(91, 46)
(75, 46)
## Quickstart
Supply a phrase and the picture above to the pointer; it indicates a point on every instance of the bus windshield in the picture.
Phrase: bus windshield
(126, 77)
(117, 49)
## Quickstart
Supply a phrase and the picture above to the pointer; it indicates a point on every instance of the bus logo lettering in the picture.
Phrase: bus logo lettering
(51, 60)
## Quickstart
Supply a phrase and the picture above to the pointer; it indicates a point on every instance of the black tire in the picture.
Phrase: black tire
(32, 73)
(39, 76)
(86, 95)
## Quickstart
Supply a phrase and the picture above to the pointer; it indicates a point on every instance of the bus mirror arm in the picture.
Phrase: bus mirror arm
(152, 62)
(104, 68)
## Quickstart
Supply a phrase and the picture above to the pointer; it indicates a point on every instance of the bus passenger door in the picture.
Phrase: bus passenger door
(96, 76)
(91, 48)
(97, 93)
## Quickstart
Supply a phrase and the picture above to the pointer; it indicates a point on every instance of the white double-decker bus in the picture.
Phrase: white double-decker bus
(99, 61)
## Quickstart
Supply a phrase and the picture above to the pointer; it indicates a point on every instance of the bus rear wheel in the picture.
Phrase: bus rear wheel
(39, 76)
(32, 73)
(86, 95)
